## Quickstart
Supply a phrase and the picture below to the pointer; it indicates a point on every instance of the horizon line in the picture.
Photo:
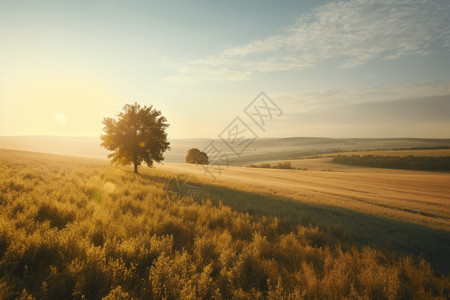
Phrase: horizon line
(208, 138)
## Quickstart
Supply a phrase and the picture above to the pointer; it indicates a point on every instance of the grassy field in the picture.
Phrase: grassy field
(423, 163)
(260, 150)
(74, 228)
(322, 162)
(432, 152)
(407, 211)
(416, 197)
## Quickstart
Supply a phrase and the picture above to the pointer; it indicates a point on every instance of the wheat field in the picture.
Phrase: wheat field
(417, 197)
(79, 228)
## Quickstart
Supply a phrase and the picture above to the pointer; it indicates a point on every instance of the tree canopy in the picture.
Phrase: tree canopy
(137, 135)
(195, 156)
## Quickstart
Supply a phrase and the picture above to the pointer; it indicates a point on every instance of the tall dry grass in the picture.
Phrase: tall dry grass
(73, 228)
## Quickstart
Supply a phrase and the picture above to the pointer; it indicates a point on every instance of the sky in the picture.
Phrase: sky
(358, 68)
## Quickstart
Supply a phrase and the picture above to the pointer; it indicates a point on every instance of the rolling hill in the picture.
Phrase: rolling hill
(260, 150)
(79, 228)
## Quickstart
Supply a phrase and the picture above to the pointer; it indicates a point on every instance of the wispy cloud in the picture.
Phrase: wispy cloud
(356, 31)
(310, 100)
(414, 110)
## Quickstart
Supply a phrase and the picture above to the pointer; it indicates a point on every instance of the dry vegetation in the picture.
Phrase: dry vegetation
(280, 165)
(412, 196)
(430, 163)
(423, 152)
(74, 228)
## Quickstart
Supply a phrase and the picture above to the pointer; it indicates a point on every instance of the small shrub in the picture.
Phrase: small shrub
(58, 218)
(283, 165)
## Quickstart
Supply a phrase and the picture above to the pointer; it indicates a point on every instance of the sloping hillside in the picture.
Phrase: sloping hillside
(262, 149)
(75, 228)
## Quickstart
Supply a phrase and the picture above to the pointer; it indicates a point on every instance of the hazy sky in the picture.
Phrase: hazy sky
(360, 68)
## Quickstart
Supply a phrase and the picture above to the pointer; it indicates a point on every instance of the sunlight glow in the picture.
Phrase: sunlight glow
(61, 118)
(57, 104)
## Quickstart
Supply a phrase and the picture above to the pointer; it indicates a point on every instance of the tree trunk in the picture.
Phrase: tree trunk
(135, 168)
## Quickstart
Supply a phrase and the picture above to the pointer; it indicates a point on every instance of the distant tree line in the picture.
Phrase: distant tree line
(281, 165)
(396, 162)
(424, 148)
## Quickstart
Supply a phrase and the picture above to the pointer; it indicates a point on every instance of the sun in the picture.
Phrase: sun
(61, 118)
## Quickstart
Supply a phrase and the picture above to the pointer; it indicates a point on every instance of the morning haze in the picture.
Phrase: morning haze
(224, 150)
(75, 63)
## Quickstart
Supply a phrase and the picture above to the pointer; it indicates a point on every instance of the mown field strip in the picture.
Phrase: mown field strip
(416, 197)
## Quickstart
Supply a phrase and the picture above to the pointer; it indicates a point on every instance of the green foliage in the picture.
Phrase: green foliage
(397, 162)
(195, 156)
(264, 165)
(137, 135)
(423, 148)
(58, 242)
(283, 165)
(280, 165)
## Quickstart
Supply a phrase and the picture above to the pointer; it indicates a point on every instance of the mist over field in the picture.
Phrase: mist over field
(263, 149)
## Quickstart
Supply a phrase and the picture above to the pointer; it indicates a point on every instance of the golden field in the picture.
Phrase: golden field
(79, 228)
(425, 152)
(416, 197)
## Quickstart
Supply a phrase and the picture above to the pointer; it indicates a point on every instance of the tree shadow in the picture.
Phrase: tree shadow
(349, 226)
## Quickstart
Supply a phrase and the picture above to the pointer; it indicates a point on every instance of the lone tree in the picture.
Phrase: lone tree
(194, 156)
(138, 134)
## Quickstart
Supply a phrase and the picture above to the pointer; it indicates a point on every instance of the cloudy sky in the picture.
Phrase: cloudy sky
(360, 68)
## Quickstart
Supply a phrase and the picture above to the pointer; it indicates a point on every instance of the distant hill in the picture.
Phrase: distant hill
(258, 150)
(73, 146)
